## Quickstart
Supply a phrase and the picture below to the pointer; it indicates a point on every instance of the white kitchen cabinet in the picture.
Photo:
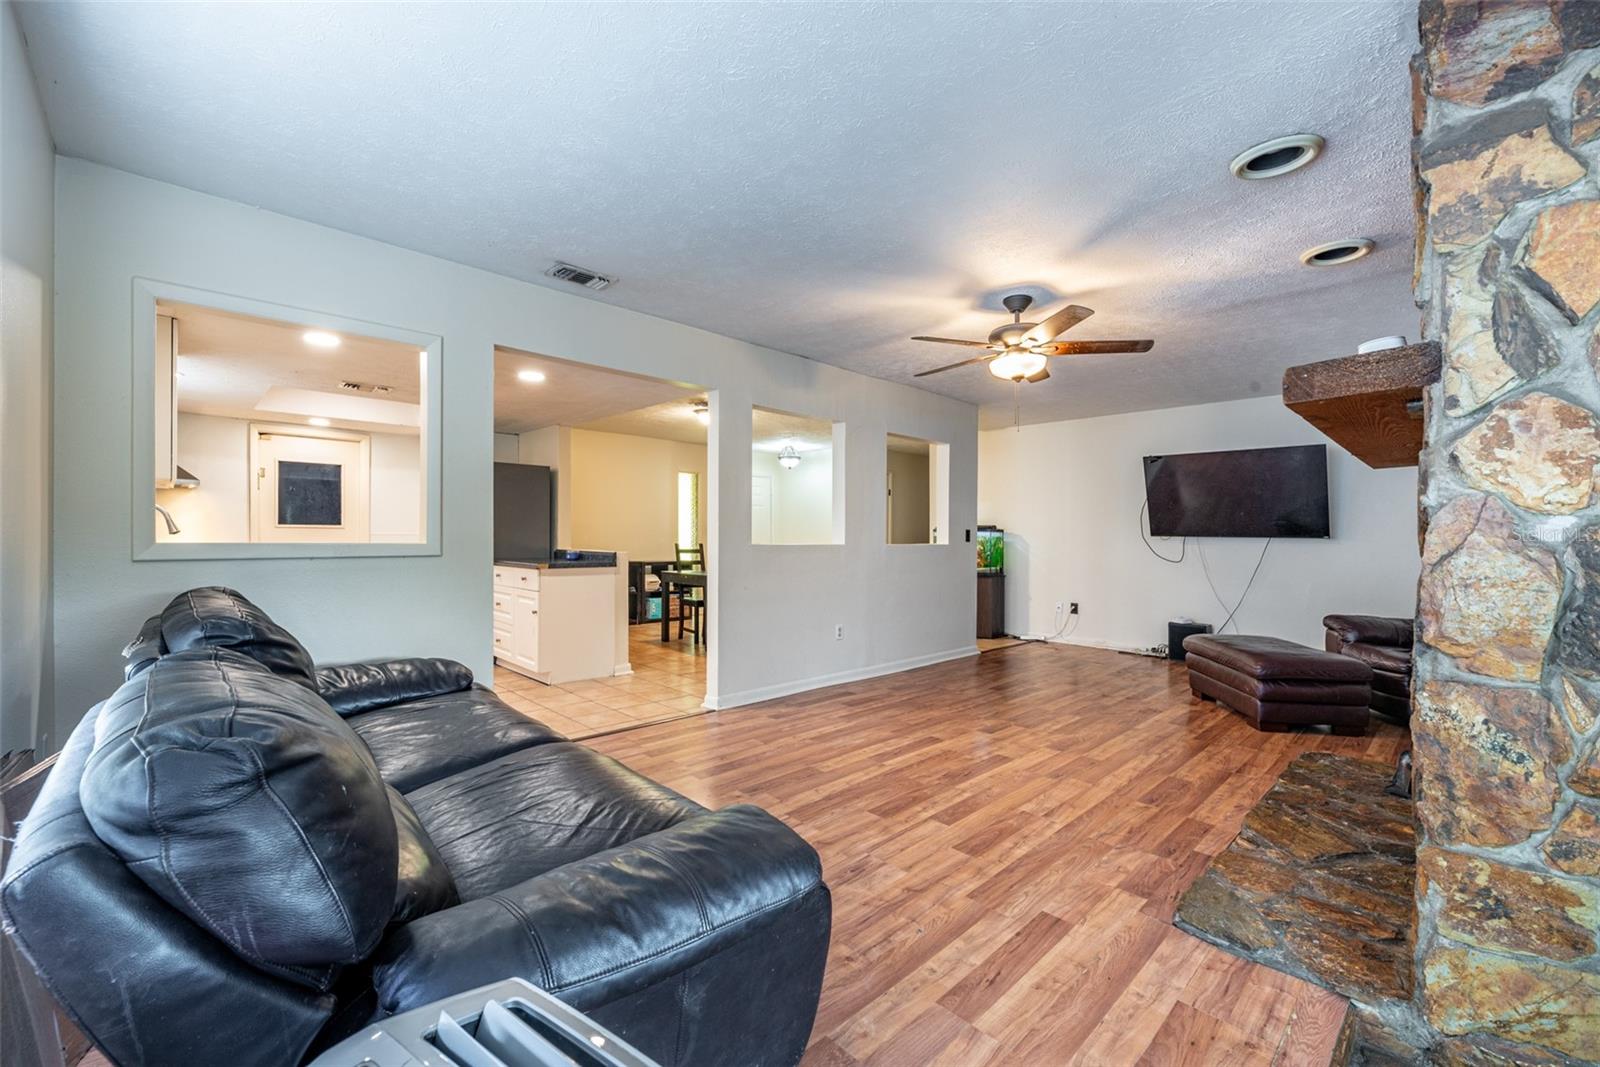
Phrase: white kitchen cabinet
(557, 625)
(166, 421)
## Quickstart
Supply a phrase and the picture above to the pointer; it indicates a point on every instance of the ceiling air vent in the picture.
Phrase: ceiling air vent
(578, 276)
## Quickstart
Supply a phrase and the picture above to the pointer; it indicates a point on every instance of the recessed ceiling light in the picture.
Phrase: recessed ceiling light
(318, 420)
(530, 376)
(1277, 156)
(1336, 252)
(320, 339)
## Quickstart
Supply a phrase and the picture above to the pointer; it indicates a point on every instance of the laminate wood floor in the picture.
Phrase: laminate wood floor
(1005, 837)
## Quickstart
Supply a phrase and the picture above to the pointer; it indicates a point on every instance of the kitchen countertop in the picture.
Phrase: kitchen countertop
(585, 561)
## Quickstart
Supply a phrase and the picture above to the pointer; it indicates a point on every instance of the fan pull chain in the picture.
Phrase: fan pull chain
(1016, 406)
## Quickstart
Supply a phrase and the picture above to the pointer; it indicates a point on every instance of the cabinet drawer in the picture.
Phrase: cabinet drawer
(516, 578)
(502, 642)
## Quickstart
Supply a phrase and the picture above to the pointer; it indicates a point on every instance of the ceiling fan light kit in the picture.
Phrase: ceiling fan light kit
(1020, 351)
(1017, 366)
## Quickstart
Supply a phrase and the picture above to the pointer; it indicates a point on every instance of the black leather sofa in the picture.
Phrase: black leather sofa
(240, 858)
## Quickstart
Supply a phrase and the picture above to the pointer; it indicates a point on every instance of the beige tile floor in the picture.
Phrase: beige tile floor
(668, 682)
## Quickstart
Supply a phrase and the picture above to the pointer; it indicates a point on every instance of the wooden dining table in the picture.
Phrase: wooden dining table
(685, 579)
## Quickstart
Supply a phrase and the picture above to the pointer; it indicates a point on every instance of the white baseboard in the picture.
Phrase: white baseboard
(821, 681)
(1108, 646)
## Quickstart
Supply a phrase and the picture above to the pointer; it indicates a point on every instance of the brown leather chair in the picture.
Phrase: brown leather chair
(1384, 644)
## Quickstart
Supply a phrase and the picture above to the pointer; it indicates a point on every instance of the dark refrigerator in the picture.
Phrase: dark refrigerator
(524, 512)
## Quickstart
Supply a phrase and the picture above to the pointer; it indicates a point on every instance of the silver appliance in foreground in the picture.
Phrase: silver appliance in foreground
(507, 1024)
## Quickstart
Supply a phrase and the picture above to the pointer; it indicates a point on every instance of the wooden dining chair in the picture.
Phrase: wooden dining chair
(691, 601)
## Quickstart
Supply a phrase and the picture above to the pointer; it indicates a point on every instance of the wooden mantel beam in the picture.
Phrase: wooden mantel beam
(1370, 404)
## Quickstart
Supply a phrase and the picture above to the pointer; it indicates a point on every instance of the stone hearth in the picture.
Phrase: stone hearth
(1320, 884)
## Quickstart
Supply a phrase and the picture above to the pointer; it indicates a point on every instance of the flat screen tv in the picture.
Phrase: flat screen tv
(1255, 492)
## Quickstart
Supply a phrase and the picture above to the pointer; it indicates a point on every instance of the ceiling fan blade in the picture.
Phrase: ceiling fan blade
(1093, 348)
(953, 341)
(953, 366)
(1044, 372)
(1057, 324)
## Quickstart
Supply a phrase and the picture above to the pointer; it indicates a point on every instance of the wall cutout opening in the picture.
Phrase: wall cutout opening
(916, 491)
(275, 432)
(796, 496)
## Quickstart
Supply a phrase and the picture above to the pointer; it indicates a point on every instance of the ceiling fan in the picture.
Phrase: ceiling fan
(1019, 351)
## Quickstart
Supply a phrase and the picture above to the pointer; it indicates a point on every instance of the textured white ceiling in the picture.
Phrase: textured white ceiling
(229, 365)
(573, 394)
(673, 420)
(826, 179)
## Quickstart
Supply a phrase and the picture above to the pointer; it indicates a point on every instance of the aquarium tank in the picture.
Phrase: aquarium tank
(991, 550)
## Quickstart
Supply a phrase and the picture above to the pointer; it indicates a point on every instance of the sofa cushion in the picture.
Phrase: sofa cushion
(423, 884)
(535, 810)
(422, 741)
(244, 802)
(351, 688)
(217, 617)
(612, 923)
(1390, 658)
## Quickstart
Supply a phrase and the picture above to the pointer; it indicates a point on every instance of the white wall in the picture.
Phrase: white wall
(1068, 495)
(624, 492)
(216, 450)
(396, 505)
(802, 498)
(505, 447)
(773, 609)
(27, 194)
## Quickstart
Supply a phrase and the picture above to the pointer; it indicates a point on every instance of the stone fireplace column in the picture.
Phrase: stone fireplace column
(1506, 722)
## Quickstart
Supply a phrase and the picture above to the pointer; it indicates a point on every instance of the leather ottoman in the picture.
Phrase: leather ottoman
(1277, 684)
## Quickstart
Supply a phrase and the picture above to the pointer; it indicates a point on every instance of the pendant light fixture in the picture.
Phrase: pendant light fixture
(788, 459)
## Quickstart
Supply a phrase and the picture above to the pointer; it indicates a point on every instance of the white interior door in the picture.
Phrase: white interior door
(309, 487)
(761, 509)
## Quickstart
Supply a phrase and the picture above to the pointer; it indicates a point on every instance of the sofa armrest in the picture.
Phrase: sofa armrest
(351, 688)
(1370, 629)
(612, 923)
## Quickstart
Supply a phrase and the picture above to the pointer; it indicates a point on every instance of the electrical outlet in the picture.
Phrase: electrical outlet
(1073, 610)
(838, 631)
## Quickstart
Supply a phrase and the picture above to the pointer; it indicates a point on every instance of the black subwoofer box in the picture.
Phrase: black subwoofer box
(1177, 631)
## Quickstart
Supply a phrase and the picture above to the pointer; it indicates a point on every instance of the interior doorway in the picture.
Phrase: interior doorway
(613, 468)
(761, 509)
(309, 485)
